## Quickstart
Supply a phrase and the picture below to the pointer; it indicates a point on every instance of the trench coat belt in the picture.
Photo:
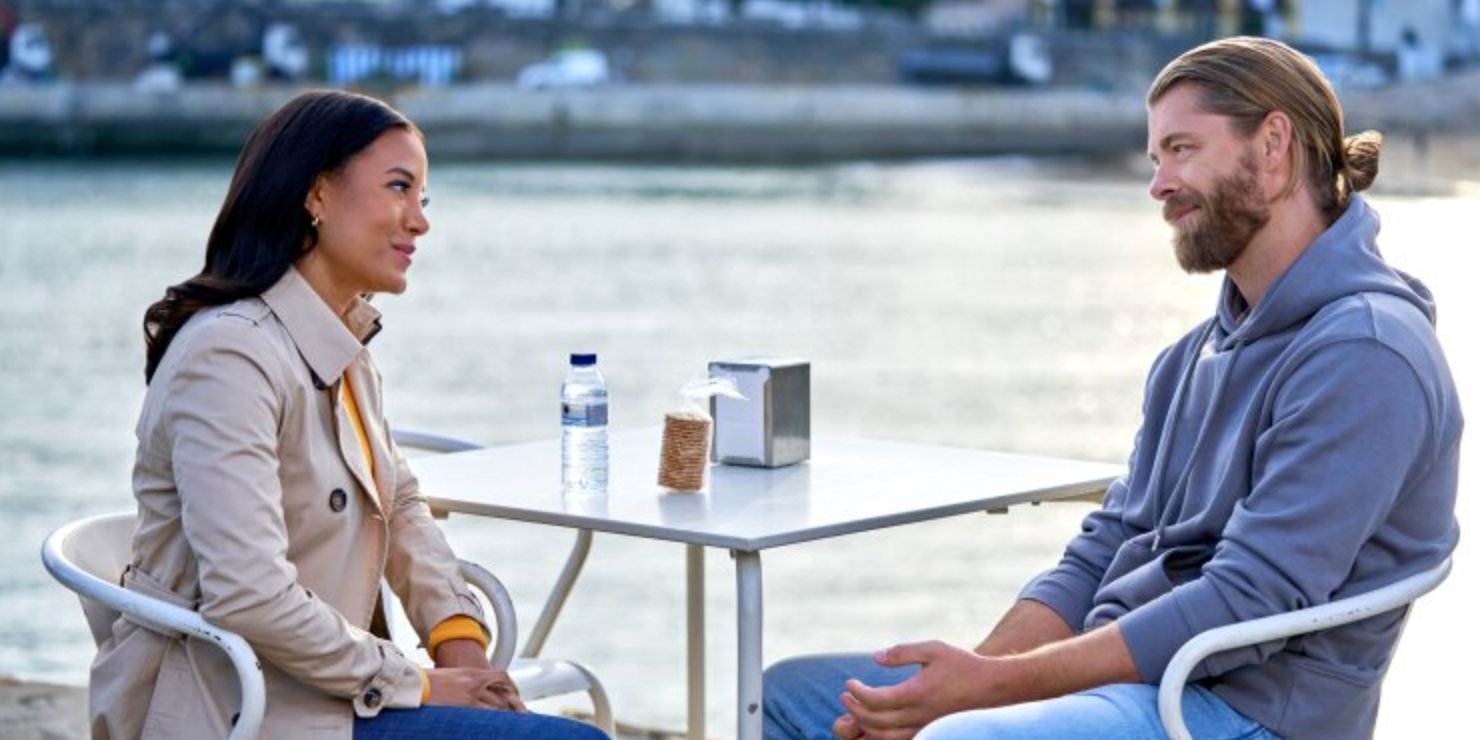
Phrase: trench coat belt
(142, 583)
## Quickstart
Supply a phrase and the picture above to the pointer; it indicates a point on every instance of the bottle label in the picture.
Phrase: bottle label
(583, 414)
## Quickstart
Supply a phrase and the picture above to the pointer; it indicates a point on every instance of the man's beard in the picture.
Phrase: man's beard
(1225, 222)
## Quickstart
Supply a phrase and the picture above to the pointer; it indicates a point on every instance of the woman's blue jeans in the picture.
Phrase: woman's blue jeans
(466, 723)
(801, 703)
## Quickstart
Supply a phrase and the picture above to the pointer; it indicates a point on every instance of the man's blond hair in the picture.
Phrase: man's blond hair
(1247, 78)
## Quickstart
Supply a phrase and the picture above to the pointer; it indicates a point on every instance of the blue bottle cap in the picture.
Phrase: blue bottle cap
(580, 360)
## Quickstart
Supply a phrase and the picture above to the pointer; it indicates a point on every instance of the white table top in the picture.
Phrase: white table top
(849, 485)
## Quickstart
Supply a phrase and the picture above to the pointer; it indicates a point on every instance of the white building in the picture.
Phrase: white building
(1336, 23)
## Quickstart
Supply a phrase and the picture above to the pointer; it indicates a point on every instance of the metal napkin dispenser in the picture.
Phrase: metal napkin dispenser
(772, 427)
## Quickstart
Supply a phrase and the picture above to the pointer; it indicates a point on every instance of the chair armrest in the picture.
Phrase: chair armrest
(1276, 626)
(165, 617)
(539, 678)
(431, 442)
(544, 678)
(506, 624)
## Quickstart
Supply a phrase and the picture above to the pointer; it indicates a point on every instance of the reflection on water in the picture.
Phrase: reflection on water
(1007, 304)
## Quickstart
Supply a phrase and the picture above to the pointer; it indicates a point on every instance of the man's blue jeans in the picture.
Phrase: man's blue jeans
(801, 702)
(466, 723)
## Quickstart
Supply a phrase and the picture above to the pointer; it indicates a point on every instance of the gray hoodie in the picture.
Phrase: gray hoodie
(1293, 454)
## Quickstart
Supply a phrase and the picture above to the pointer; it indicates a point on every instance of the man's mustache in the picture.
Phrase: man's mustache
(1181, 202)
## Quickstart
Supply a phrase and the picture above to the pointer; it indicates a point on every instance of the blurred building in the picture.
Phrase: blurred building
(388, 44)
(1372, 26)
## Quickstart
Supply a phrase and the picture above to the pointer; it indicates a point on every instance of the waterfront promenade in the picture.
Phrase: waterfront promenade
(785, 124)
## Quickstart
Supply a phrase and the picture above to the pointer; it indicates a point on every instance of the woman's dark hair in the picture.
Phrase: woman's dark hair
(263, 225)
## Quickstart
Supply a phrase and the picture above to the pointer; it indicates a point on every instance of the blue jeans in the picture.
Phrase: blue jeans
(801, 702)
(466, 723)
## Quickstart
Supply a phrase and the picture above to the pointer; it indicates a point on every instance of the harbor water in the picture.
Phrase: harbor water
(1012, 304)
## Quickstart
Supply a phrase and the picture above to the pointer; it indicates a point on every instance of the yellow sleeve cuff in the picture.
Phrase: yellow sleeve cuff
(426, 685)
(458, 627)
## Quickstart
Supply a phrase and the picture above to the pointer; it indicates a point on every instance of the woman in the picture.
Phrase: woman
(271, 498)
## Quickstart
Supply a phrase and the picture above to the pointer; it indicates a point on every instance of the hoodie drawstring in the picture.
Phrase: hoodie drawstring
(1178, 491)
(1179, 400)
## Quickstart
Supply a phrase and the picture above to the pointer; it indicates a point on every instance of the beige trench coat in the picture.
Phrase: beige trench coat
(256, 508)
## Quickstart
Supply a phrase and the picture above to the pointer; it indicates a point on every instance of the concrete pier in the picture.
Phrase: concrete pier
(709, 123)
(649, 122)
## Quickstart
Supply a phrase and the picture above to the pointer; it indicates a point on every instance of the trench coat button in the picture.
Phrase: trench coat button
(337, 499)
(372, 698)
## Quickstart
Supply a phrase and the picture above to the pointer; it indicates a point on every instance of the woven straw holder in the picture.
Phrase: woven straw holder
(685, 453)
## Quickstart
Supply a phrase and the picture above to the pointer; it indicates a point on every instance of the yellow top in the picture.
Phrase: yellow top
(456, 627)
(351, 407)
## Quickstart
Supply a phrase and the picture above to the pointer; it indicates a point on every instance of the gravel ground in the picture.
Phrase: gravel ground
(41, 711)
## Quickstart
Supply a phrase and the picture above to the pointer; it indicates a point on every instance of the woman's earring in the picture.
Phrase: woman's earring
(314, 224)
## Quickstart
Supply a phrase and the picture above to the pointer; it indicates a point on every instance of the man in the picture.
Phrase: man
(1298, 447)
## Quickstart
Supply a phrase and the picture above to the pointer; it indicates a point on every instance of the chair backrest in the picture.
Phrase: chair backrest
(101, 547)
(88, 557)
(1287, 624)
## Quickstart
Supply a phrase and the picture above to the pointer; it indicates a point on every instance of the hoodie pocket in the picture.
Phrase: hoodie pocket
(1346, 698)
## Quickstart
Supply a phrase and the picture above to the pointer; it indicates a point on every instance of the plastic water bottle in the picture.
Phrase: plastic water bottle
(583, 429)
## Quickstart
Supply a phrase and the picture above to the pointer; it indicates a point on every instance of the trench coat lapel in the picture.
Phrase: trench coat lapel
(381, 484)
(330, 347)
(349, 443)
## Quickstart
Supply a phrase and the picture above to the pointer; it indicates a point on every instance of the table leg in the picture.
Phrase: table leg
(748, 620)
(695, 573)
(558, 594)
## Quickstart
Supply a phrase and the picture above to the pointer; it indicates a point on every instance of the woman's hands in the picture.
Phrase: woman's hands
(464, 678)
(488, 688)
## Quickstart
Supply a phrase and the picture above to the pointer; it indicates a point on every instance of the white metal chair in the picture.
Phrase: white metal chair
(537, 678)
(88, 557)
(1274, 627)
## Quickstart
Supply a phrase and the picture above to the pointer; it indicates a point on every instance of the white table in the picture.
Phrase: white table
(849, 485)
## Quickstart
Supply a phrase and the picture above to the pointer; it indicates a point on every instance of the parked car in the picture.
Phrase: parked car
(567, 68)
(1022, 59)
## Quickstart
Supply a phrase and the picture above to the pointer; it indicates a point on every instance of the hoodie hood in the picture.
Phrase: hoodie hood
(1342, 261)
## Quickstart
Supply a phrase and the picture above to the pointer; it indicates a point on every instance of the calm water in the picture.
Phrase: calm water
(1008, 304)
